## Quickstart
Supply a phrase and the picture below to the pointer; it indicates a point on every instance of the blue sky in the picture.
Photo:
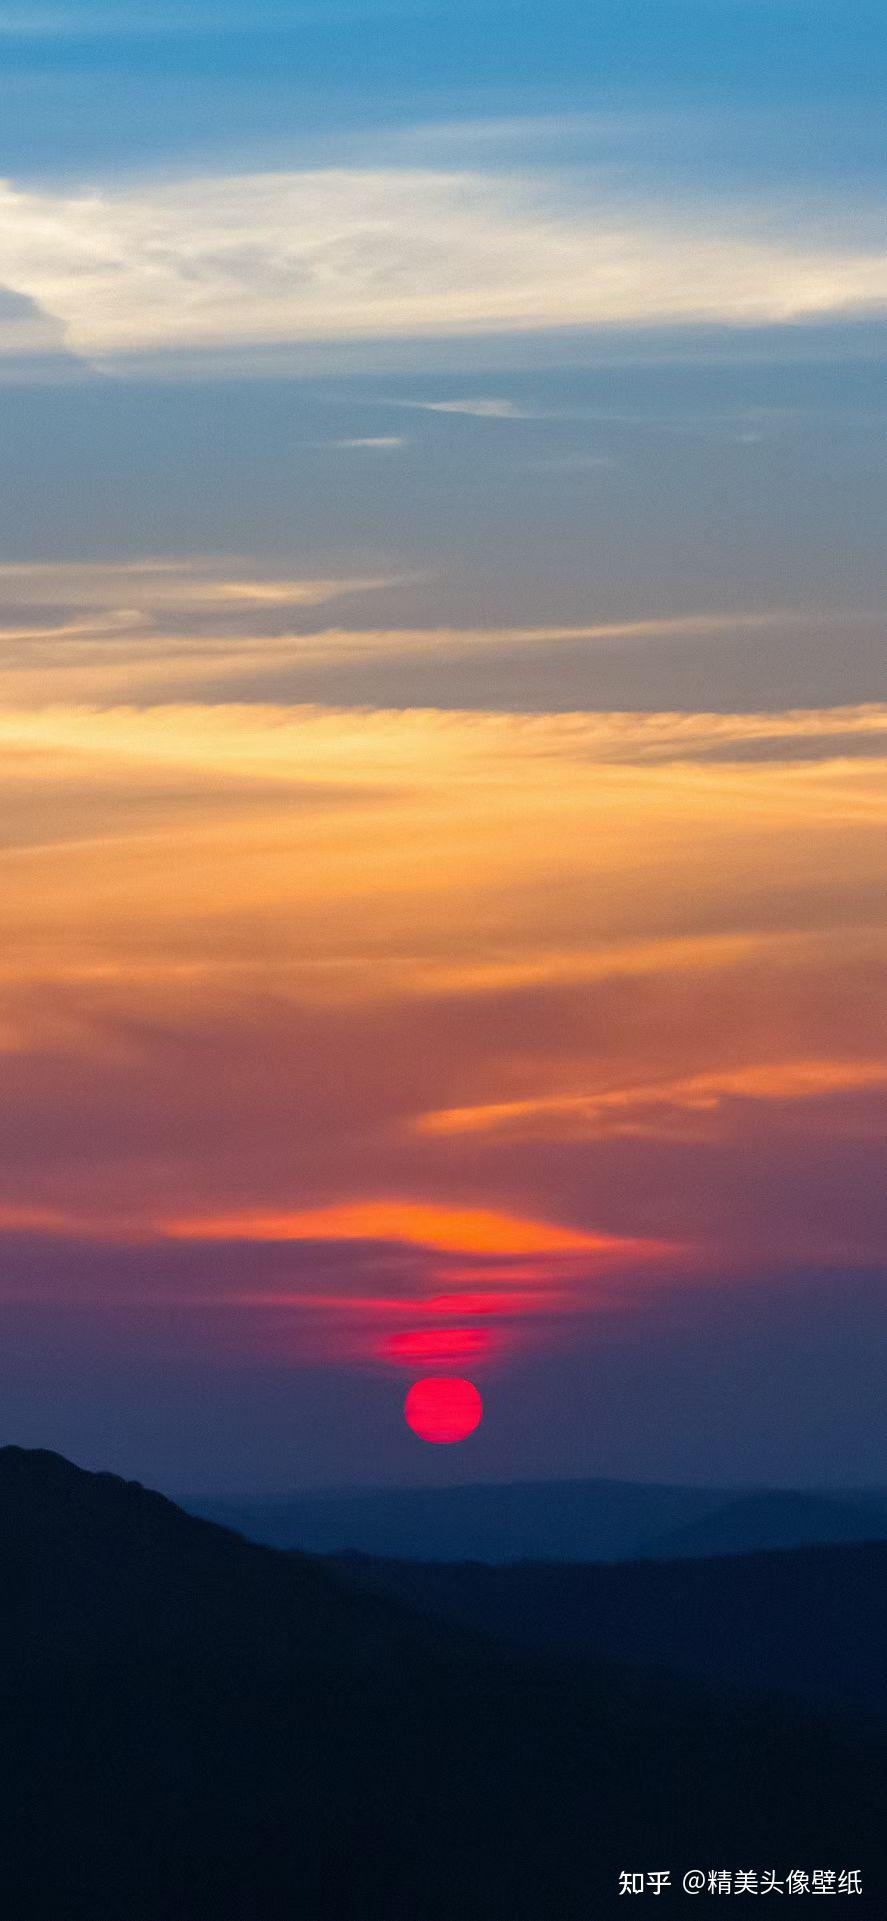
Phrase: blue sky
(739, 91)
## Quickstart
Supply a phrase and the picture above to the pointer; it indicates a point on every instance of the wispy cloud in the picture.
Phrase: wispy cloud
(158, 630)
(661, 1108)
(147, 595)
(600, 751)
(80, 23)
(479, 409)
(370, 441)
(257, 260)
(574, 463)
(448, 1230)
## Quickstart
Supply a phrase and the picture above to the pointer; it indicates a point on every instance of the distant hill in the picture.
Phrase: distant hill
(551, 1521)
(807, 1619)
(199, 1729)
(774, 1520)
(542, 1520)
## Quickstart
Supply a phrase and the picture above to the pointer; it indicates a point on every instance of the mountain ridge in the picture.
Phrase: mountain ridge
(774, 1518)
(806, 1619)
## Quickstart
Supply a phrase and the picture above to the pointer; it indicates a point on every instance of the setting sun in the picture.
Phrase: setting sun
(443, 1409)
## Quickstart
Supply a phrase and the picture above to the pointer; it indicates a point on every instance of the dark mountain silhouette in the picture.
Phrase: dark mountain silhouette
(198, 1729)
(548, 1521)
(776, 1519)
(805, 1619)
(94, 1566)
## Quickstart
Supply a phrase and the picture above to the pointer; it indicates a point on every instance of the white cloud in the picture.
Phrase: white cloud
(478, 409)
(263, 260)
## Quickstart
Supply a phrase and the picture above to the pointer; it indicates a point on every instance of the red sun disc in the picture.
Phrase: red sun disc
(443, 1409)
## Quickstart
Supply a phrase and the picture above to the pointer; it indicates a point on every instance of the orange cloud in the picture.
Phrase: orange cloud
(448, 1230)
(615, 1109)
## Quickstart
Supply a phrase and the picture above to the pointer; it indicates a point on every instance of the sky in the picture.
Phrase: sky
(443, 738)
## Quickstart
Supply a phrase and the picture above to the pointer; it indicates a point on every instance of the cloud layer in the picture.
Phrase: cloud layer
(257, 260)
(465, 1020)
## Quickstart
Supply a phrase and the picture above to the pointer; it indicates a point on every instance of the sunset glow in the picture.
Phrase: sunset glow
(310, 1075)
